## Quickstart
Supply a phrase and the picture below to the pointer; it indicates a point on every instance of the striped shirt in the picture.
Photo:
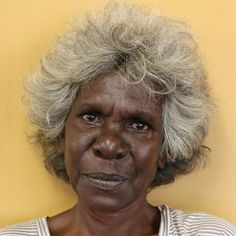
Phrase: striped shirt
(173, 223)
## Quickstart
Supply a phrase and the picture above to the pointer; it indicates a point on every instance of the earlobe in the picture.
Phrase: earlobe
(61, 144)
(161, 163)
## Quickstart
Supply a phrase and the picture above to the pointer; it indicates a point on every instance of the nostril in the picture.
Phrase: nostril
(97, 152)
(119, 156)
(121, 153)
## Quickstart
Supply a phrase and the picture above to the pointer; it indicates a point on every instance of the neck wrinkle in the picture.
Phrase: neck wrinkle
(128, 221)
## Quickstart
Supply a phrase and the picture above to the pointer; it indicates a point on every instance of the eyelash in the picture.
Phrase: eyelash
(96, 118)
(86, 117)
(139, 122)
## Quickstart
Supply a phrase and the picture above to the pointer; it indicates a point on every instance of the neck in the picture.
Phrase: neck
(133, 220)
(127, 221)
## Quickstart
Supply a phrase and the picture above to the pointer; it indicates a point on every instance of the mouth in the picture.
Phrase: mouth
(106, 181)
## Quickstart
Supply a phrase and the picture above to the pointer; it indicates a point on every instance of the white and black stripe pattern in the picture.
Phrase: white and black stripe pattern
(173, 223)
(178, 223)
(37, 227)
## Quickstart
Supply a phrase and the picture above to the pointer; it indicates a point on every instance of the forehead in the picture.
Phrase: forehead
(115, 87)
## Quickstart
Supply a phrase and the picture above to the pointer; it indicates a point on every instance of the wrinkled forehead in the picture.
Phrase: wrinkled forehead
(119, 85)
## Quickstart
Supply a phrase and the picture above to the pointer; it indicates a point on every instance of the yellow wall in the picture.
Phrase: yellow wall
(27, 30)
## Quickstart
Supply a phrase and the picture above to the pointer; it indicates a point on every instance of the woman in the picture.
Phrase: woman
(121, 106)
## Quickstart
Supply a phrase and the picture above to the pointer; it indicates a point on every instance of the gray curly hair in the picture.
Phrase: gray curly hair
(152, 50)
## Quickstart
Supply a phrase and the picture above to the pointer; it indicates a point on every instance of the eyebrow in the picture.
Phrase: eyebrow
(91, 106)
(142, 114)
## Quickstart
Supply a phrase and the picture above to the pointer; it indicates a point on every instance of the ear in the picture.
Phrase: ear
(161, 163)
(61, 144)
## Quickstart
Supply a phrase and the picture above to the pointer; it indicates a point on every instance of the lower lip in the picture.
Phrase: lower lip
(105, 184)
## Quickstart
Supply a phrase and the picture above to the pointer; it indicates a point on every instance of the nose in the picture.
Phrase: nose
(110, 146)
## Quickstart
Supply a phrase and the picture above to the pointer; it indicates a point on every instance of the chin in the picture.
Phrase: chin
(105, 200)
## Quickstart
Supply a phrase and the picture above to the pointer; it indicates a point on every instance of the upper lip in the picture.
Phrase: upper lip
(107, 177)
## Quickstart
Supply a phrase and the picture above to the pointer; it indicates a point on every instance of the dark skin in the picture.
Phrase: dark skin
(111, 148)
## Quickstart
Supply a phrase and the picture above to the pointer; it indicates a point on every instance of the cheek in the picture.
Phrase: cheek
(147, 154)
(75, 147)
(146, 158)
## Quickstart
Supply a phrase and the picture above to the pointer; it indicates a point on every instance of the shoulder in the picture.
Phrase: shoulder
(36, 227)
(196, 223)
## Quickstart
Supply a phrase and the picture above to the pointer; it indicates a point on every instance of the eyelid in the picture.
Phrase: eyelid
(139, 120)
(82, 113)
(95, 114)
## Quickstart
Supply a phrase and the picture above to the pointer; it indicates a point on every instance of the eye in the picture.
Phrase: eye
(139, 125)
(91, 117)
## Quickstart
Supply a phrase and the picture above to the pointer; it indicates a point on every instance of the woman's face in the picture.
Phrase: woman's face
(112, 143)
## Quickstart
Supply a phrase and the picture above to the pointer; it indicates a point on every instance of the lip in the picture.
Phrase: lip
(106, 181)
